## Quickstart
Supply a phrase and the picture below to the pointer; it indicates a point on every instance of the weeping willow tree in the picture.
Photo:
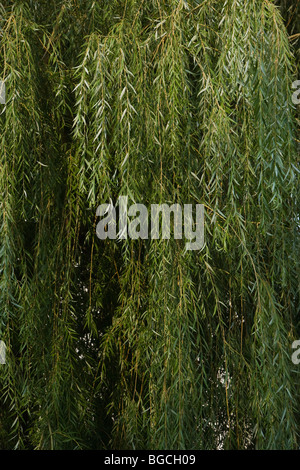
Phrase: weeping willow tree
(140, 344)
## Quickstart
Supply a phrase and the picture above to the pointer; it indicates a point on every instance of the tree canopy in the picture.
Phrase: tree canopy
(140, 344)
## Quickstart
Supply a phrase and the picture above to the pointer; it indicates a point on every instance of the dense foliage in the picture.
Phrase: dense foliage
(139, 344)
